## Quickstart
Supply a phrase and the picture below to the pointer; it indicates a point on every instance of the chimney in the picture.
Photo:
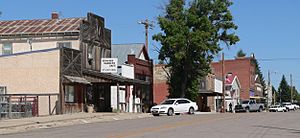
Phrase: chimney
(54, 15)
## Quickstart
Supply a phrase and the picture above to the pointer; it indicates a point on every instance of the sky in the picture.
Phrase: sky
(268, 28)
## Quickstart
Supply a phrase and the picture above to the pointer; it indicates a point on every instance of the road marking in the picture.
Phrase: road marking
(171, 126)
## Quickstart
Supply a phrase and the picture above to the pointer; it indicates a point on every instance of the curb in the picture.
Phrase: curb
(71, 121)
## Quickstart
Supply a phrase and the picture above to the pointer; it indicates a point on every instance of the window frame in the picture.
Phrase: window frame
(3, 48)
(64, 44)
(69, 96)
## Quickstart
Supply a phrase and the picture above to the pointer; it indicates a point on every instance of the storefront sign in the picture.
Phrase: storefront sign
(109, 65)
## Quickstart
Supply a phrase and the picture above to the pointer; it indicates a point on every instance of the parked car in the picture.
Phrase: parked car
(277, 108)
(174, 106)
(297, 106)
(249, 105)
(289, 106)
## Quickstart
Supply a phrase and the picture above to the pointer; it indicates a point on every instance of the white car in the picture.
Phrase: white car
(289, 106)
(277, 108)
(296, 106)
(174, 106)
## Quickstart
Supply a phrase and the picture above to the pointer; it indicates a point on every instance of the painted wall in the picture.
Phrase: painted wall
(218, 86)
(23, 46)
(128, 72)
(32, 73)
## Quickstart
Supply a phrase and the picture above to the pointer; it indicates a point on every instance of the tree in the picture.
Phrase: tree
(240, 53)
(295, 94)
(284, 91)
(274, 93)
(190, 38)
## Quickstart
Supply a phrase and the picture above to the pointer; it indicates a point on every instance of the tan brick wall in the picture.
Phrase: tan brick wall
(31, 74)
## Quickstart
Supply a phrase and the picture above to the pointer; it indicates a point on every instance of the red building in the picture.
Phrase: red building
(160, 86)
(244, 68)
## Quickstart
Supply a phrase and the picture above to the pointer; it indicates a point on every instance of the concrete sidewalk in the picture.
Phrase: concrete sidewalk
(25, 124)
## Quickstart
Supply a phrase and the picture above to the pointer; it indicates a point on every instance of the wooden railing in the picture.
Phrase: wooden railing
(23, 105)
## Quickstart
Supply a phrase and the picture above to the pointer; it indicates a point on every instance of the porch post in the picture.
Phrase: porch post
(49, 105)
(9, 107)
(118, 97)
(133, 97)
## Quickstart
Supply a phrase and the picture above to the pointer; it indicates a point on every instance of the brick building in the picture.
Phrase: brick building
(244, 68)
(160, 86)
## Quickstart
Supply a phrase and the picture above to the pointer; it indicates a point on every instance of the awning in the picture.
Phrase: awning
(209, 93)
(115, 78)
(256, 97)
(77, 79)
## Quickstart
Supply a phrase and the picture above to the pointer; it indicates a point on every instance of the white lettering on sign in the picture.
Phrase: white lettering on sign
(109, 65)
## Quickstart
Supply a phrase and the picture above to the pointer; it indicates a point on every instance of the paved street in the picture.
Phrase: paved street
(247, 125)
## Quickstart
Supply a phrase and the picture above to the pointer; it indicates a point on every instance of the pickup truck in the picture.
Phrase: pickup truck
(249, 105)
(289, 106)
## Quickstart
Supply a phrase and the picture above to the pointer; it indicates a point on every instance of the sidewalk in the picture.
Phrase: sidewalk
(25, 124)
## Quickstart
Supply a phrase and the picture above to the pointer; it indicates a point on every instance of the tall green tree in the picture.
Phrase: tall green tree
(190, 38)
(295, 94)
(240, 53)
(284, 91)
(275, 95)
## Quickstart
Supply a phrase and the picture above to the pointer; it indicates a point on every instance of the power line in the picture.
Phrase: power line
(276, 59)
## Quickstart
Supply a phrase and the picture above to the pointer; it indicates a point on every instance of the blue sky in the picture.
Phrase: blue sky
(267, 28)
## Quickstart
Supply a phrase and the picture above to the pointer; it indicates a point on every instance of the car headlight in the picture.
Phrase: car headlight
(163, 107)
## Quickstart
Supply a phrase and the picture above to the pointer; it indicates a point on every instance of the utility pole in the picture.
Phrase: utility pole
(223, 84)
(274, 97)
(147, 24)
(291, 78)
(269, 89)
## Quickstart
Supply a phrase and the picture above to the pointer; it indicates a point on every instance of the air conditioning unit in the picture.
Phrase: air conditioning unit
(90, 56)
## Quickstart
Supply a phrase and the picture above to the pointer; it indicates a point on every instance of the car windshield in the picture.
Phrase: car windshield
(245, 102)
(168, 102)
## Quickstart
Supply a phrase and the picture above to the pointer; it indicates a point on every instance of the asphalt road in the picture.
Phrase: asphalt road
(239, 125)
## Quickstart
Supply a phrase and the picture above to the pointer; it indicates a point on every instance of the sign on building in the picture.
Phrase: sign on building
(109, 65)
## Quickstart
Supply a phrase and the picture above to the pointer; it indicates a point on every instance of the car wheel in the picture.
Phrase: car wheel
(260, 109)
(155, 114)
(191, 110)
(170, 112)
(247, 110)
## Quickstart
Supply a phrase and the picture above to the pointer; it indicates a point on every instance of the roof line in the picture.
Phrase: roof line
(43, 19)
(246, 58)
(128, 44)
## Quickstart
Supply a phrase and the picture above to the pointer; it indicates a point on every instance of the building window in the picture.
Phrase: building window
(69, 94)
(64, 44)
(2, 91)
(203, 84)
(227, 88)
(7, 49)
